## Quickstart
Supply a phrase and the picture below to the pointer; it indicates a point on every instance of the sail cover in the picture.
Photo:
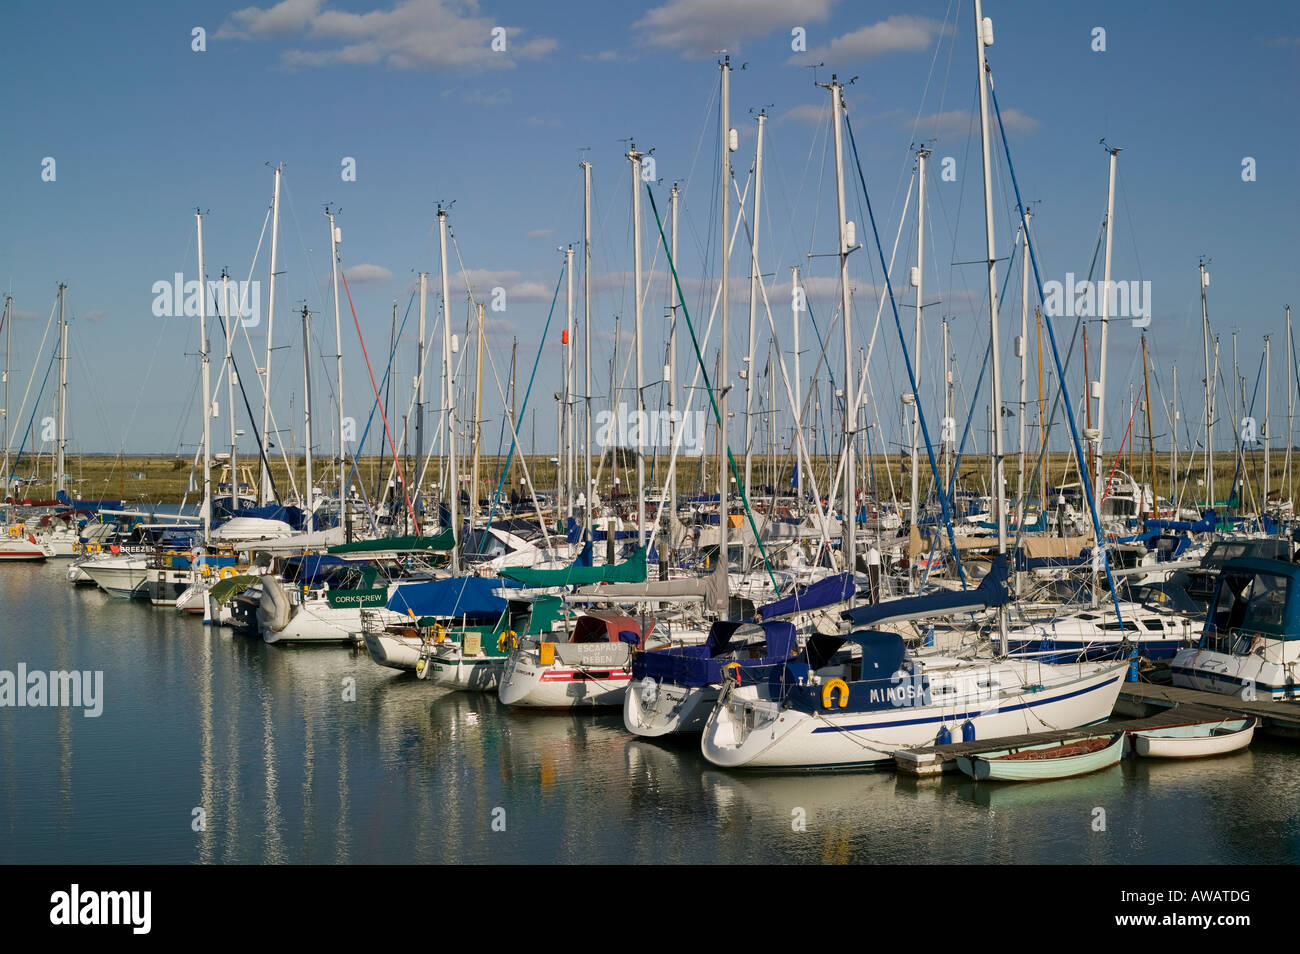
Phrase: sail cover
(631, 570)
(833, 589)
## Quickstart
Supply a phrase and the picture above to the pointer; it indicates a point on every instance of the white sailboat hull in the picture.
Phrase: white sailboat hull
(747, 731)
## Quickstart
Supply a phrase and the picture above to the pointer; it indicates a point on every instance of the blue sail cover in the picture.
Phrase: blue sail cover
(468, 596)
(992, 591)
(827, 592)
(702, 665)
(90, 506)
(1205, 525)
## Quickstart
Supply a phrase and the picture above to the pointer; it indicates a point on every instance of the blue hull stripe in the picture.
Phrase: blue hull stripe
(965, 715)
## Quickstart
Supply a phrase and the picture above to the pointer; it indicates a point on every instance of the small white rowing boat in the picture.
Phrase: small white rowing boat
(1194, 740)
(1046, 760)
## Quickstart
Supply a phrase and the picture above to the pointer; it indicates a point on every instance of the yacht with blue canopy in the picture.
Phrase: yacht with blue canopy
(1250, 645)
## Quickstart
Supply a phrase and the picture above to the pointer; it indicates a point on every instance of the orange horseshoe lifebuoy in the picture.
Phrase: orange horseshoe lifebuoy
(828, 693)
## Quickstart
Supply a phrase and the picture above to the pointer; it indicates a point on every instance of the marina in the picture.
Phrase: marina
(795, 482)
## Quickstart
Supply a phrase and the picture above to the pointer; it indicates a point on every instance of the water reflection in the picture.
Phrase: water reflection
(307, 754)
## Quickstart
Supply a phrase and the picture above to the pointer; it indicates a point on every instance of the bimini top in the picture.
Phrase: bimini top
(1265, 598)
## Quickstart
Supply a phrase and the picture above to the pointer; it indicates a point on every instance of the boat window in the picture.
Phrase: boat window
(1115, 627)
(1267, 603)
(1230, 604)
(1154, 623)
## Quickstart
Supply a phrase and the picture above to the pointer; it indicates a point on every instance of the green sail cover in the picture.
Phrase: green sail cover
(443, 541)
(631, 570)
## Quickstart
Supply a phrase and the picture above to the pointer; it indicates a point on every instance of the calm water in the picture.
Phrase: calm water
(289, 771)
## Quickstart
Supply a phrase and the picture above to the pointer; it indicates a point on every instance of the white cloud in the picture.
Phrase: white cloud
(363, 274)
(956, 122)
(413, 34)
(283, 19)
(698, 27)
(897, 34)
(539, 233)
(808, 113)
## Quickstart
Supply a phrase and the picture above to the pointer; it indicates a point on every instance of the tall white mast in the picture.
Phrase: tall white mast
(721, 385)
(795, 294)
(568, 384)
(1266, 435)
(1209, 389)
(449, 392)
(1291, 407)
(8, 318)
(983, 38)
(588, 489)
(919, 283)
(672, 372)
(270, 342)
(845, 246)
(62, 437)
(206, 403)
(635, 158)
(335, 235)
(306, 405)
(419, 392)
(754, 278)
(230, 389)
(1022, 347)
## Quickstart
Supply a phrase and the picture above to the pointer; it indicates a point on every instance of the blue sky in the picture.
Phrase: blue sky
(143, 129)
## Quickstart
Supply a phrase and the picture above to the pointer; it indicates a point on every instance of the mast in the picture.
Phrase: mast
(266, 490)
(753, 309)
(61, 440)
(478, 416)
(1151, 434)
(983, 38)
(335, 236)
(635, 158)
(947, 405)
(1173, 447)
(919, 282)
(589, 489)
(1022, 347)
(449, 392)
(1209, 388)
(672, 373)
(798, 385)
(1098, 487)
(230, 391)
(419, 394)
(8, 318)
(724, 249)
(568, 384)
(1291, 407)
(206, 404)
(844, 240)
(1266, 435)
(306, 404)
